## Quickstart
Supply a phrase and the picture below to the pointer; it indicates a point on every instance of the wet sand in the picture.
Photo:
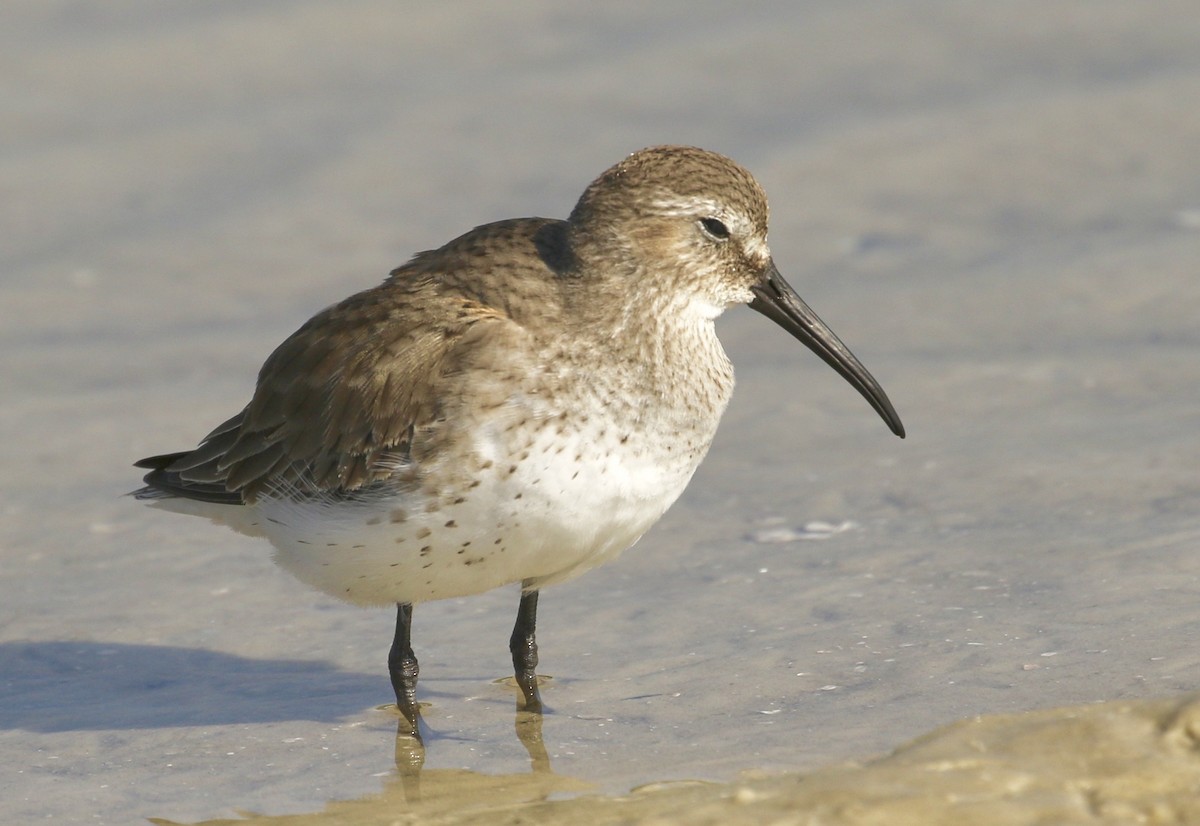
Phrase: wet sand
(1134, 762)
(996, 207)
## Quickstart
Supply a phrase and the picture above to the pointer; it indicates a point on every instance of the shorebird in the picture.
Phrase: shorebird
(519, 405)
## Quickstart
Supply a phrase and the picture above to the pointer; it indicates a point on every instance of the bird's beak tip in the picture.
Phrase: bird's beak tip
(774, 298)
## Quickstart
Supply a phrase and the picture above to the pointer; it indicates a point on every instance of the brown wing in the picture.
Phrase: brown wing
(369, 387)
(339, 403)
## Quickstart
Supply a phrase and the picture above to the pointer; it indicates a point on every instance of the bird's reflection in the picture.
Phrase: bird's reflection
(431, 793)
(410, 749)
(529, 731)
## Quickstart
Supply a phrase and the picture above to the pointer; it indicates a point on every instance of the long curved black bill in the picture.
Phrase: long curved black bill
(776, 299)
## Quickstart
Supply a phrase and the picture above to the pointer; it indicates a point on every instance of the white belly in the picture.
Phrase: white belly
(555, 507)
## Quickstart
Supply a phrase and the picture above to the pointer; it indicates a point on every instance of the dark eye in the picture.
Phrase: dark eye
(715, 229)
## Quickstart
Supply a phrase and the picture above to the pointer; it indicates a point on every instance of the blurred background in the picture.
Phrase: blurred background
(996, 206)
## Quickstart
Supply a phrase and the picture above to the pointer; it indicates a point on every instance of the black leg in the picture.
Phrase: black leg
(523, 645)
(402, 666)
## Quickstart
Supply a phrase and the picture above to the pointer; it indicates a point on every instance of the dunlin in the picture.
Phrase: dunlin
(520, 405)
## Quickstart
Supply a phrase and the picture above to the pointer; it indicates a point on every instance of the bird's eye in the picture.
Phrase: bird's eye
(714, 229)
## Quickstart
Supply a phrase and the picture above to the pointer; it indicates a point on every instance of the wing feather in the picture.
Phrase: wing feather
(344, 396)
(369, 388)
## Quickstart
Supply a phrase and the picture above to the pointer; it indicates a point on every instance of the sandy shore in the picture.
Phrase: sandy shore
(1114, 763)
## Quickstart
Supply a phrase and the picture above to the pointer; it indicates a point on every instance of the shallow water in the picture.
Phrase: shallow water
(1117, 762)
(996, 207)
